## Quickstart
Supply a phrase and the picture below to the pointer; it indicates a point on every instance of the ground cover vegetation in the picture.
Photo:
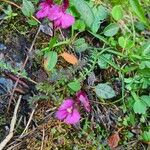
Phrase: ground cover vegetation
(74, 74)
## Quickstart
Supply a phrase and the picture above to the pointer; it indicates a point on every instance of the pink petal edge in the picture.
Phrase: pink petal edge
(73, 118)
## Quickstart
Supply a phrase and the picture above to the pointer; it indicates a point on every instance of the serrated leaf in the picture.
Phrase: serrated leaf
(104, 91)
(139, 107)
(75, 86)
(111, 29)
(139, 11)
(27, 8)
(117, 12)
(50, 60)
(85, 11)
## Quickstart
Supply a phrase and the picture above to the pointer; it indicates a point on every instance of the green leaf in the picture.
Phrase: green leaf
(146, 136)
(101, 61)
(100, 14)
(85, 11)
(139, 107)
(101, 38)
(146, 99)
(111, 29)
(52, 42)
(117, 12)
(125, 42)
(79, 25)
(32, 22)
(137, 8)
(50, 60)
(103, 90)
(146, 48)
(27, 8)
(80, 45)
(75, 86)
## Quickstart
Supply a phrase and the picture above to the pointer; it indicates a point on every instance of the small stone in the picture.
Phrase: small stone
(46, 29)
(2, 47)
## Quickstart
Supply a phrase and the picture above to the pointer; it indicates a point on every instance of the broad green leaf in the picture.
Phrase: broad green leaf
(146, 136)
(100, 13)
(32, 22)
(52, 42)
(85, 11)
(137, 8)
(146, 99)
(139, 107)
(103, 90)
(27, 8)
(101, 60)
(117, 12)
(75, 86)
(80, 45)
(111, 29)
(146, 48)
(50, 60)
(79, 25)
(125, 42)
(140, 26)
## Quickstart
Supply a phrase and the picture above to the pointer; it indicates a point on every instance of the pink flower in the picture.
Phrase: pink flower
(82, 97)
(45, 8)
(64, 21)
(68, 113)
(56, 13)
(60, 17)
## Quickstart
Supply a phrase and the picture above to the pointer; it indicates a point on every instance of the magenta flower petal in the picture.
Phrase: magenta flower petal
(82, 97)
(65, 21)
(68, 113)
(66, 104)
(55, 12)
(44, 10)
(73, 117)
(61, 114)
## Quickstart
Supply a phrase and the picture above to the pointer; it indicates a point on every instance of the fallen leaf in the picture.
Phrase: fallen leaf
(113, 140)
(70, 58)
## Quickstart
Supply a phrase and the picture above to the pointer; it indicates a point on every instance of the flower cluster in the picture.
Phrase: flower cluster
(56, 13)
(68, 111)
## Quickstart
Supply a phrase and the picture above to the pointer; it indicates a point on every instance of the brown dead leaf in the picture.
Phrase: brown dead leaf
(70, 58)
(113, 140)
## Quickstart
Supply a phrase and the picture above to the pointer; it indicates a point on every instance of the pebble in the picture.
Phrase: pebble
(2, 47)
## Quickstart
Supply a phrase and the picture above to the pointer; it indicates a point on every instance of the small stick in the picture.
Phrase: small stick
(13, 77)
(42, 145)
(28, 123)
(12, 126)
(23, 66)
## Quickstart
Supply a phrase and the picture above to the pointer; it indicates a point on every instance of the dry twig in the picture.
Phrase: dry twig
(27, 126)
(12, 126)
(23, 66)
